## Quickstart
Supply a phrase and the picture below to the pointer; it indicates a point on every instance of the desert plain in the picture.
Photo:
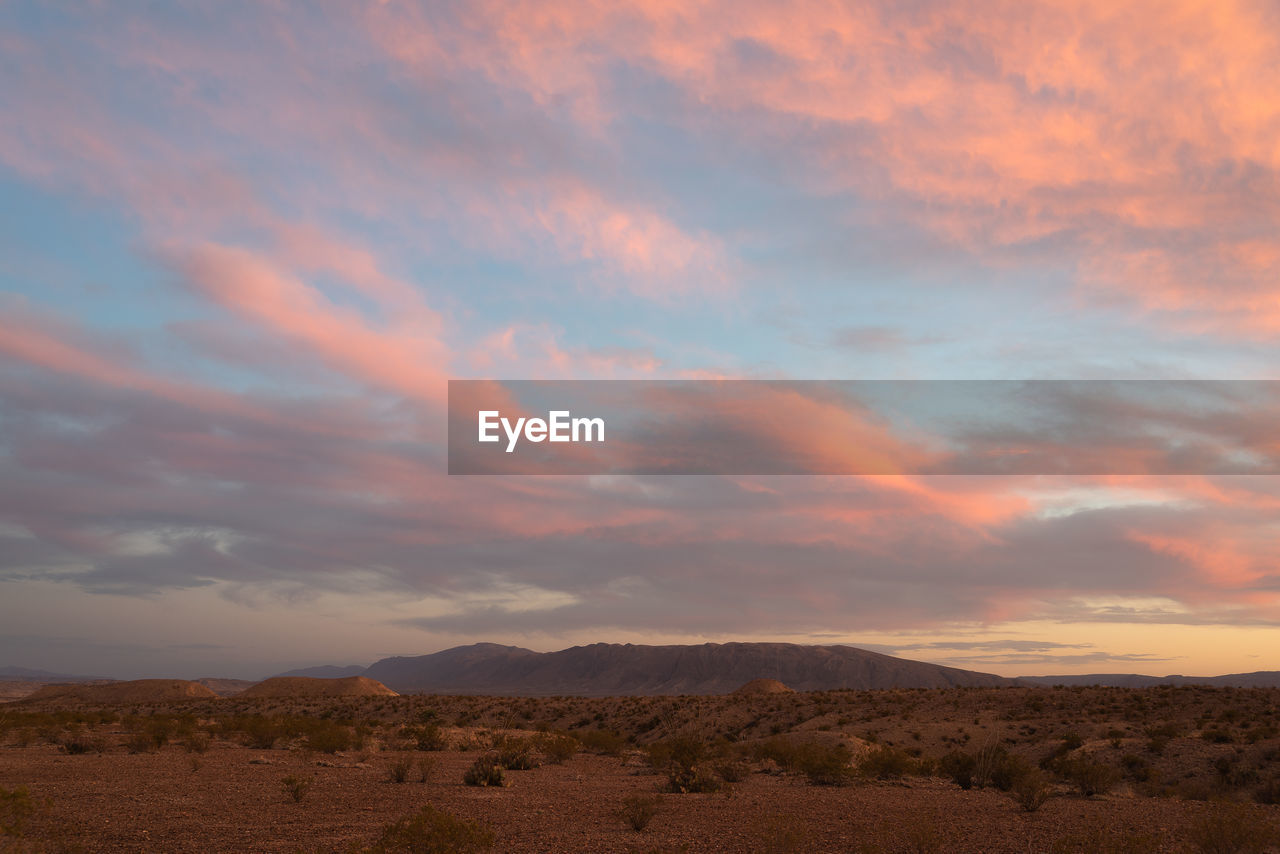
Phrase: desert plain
(316, 766)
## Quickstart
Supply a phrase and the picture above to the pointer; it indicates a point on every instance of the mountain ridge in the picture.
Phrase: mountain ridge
(603, 669)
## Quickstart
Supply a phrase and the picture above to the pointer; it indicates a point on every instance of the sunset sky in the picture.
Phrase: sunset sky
(243, 247)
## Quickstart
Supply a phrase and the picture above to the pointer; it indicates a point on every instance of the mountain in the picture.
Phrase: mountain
(625, 669)
(1257, 679)
(325, 671)
(24, 674)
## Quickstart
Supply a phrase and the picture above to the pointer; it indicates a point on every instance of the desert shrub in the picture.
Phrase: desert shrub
(431, 737)
(81, 743)
(297, 787)
(638, 810)
(159, 729)
(433, 831)
(781, 750)
(1031, 789)
(602, 741)
(884, 763)
(824, 764)
(732, 770)
(697, 779)
(1088, 775)
(1232, 829)
(516, 754)
(255, 731)
(682, 751)
(557, 748)
(1217, 736)
(329, 737)
(485, 771)
(1268, 792)
(959, 766)
(140, 742)
(16, 809)
(1007, 770)
(426, 768)
(398, 771)
(197, 742)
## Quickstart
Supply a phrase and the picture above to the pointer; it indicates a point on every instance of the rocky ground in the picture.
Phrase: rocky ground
(1189, 774)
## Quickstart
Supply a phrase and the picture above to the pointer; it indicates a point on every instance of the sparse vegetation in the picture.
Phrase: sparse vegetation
(485, 771)
(433, 831)
(638, 810)
(297, 787)
(398, 771)
(1030, 743)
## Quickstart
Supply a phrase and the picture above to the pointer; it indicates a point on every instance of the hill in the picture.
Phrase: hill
(26, 674)
(1257, 679)
(626, 669)
(135, 691)
(303, 687)
(327, 671)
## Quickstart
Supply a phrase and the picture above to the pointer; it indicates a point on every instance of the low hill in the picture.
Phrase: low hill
(327, 671)
(26, 674)
(1257, 679)
(303, 687)
(135, 691)
(626, 669)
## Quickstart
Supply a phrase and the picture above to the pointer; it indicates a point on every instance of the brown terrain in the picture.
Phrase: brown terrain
(612, 670)
(305, 688)
(980, 769)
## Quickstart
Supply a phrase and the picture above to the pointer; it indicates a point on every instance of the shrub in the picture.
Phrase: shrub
(959, 767)
(16, 809)
(431, 737)
(824, 764)
(198, 742)
(398, 771)
(426, 767)
(1031, 790)
(697, 779)
(140, 742)
(329, 737)
(884, 763)
(1089, 776)
(78, 744)
(297, 787)
(558, 748)
(485, 771)
(433, 831)
(732, 770)
(602, 741)
(638, 810)
(516, 754)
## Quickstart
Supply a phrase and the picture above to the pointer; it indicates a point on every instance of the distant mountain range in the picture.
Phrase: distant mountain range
(603, 669)
(1257, 679)
(25, 674)
(626, 669)
(327, 671)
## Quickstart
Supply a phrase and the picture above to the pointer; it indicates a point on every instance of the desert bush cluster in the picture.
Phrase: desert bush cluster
(1217, 750)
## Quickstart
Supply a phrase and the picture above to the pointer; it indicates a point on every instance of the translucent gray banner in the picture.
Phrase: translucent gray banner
(864, 427)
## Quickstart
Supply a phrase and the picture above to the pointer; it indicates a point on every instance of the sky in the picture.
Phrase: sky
(244, 246)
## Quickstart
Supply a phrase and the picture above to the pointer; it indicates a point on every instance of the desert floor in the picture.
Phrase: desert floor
(1193, 771)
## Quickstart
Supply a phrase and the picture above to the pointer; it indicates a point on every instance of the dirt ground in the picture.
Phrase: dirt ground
(227, 796)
